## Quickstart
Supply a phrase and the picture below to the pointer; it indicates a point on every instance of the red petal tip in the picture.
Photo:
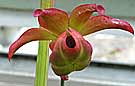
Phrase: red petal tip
(37, 12)
(131, 30)
(123, 24)
(9, 55)
(100, 9)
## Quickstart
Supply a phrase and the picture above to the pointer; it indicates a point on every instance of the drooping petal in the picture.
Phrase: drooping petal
(82, 13)
(70, 53)
(52, 19)
(97, 23)
(32, 34)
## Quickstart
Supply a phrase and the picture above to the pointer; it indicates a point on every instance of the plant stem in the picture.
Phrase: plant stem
(42, 64)
(46, 4)
(42, 58)
(62, 82)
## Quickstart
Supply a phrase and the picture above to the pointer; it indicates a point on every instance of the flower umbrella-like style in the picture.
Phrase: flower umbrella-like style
(70, 51)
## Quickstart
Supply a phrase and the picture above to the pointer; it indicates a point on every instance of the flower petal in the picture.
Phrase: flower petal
(32, 34)
(97, 23)
(52, 19)
(82, 13)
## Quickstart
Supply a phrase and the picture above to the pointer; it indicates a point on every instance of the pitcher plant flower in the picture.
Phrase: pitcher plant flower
(70, 51)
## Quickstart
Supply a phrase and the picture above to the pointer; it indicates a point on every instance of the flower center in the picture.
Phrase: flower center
(70, 42)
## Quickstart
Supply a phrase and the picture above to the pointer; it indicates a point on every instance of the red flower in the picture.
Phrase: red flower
(70, 51)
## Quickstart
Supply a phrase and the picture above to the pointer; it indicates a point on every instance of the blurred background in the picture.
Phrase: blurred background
(113, 60)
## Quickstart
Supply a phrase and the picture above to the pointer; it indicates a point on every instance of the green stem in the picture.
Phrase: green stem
(46, 4)
(42, 64)
(42, 58)
(62, 82)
